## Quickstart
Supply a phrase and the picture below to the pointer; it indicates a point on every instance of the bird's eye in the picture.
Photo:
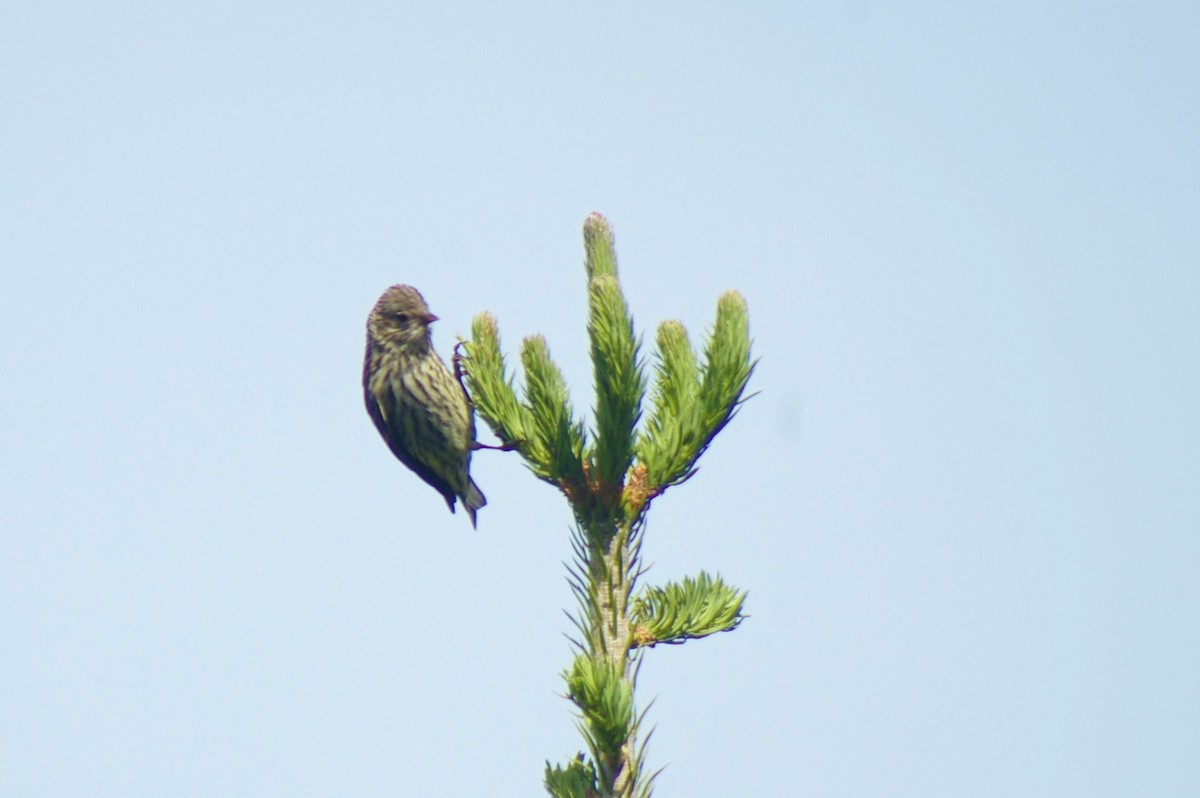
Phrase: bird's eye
(402, 318)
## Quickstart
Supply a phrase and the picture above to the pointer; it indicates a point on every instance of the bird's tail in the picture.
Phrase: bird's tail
(473, 500)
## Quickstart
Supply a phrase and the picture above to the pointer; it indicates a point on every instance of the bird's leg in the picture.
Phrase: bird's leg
(504, 447)
(457, 359)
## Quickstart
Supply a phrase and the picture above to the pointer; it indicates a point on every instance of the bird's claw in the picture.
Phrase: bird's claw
(457, 359)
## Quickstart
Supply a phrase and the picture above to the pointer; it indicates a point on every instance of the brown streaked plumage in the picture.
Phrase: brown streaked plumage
(417, 405)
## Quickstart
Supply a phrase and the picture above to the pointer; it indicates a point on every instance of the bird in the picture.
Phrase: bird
(419, 407)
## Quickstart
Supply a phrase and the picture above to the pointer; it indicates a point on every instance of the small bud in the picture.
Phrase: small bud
(598, 245)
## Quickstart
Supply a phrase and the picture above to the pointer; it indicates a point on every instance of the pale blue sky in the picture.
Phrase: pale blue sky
(964, 502)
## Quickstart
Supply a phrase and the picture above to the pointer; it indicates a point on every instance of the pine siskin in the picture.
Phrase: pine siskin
(417, 405)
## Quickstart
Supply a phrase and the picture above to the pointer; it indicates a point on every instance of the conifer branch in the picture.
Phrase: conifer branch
(609, 478)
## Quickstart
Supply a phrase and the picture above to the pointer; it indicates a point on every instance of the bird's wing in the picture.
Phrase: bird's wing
(390, 430)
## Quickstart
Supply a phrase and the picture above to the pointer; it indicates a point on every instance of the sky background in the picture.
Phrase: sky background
(964, 502)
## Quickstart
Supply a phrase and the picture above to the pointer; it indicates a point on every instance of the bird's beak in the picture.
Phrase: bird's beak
(430, 318)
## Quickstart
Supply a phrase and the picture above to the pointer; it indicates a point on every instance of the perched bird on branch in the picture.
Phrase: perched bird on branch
(418, 406)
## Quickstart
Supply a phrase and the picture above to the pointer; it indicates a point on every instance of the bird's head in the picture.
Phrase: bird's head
(401, 317)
